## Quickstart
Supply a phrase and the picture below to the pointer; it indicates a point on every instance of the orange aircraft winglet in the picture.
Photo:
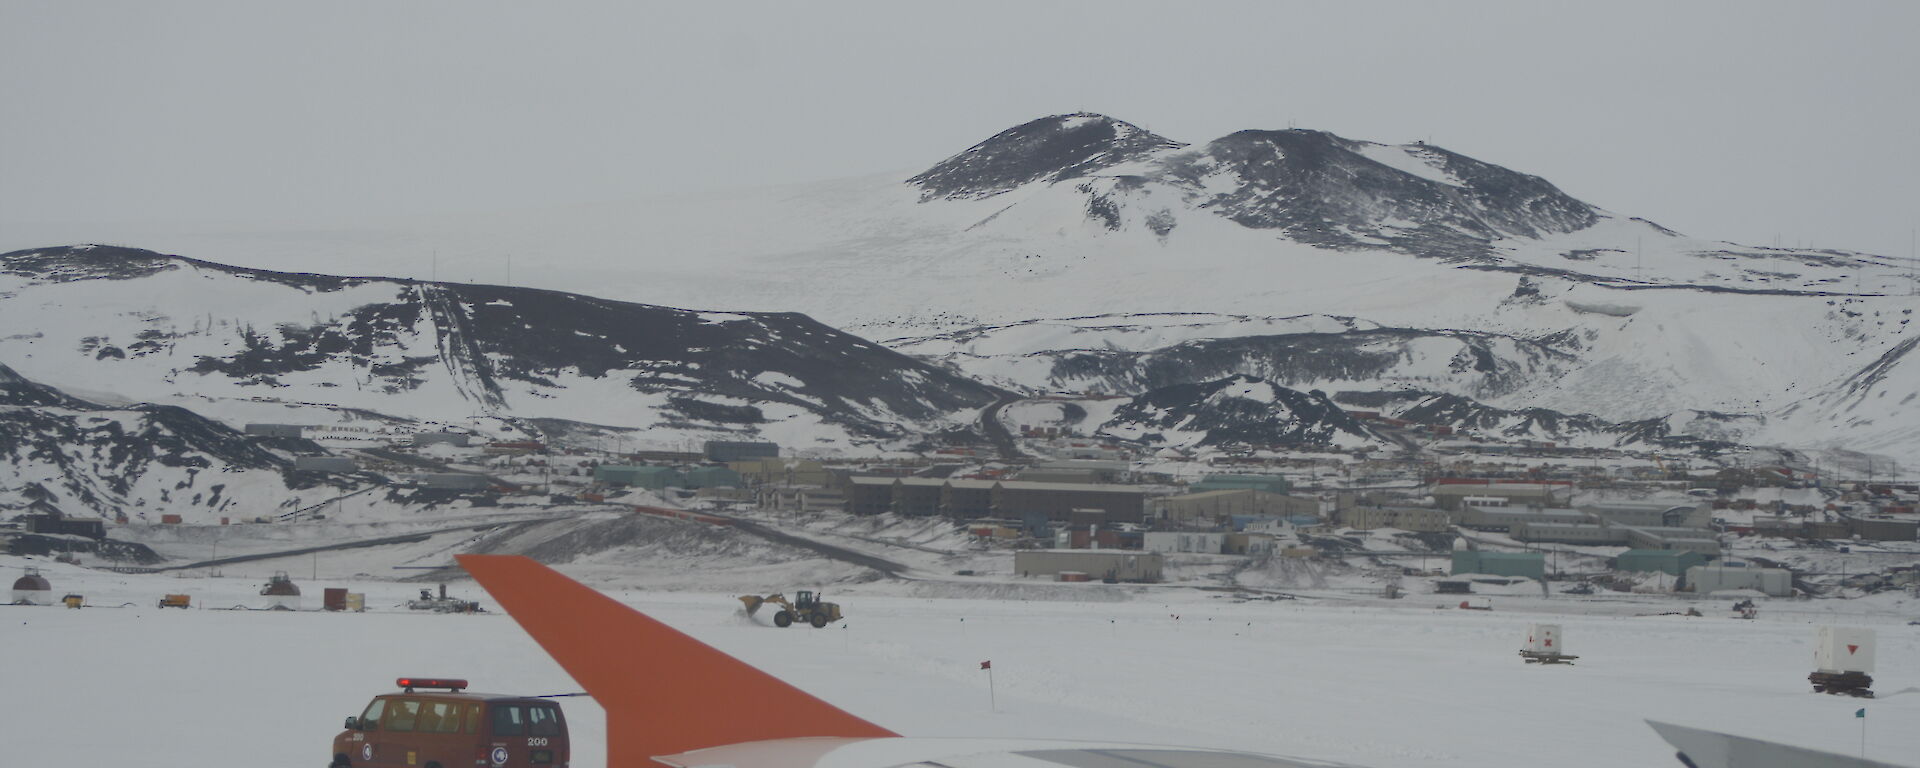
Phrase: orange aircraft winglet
(664, 692)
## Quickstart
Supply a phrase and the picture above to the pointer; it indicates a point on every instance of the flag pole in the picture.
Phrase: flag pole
(1862, 715)
(993, 704)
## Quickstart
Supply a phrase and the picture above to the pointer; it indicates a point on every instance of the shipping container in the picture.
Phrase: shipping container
(1545, 638)
(1776, 582)
(333, 599)
(1844, 649)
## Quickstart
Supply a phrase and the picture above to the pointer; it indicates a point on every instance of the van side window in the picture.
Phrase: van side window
(543, 721)
(473, 718)
(440, 717)
(374, 710)
(402, 714)
(507, 720)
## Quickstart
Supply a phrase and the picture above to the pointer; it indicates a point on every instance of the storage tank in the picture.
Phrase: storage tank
(32, 589)
(282, 594)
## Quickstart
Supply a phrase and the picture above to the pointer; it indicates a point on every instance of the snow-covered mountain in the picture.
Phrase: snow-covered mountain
(1062, 253)
(254, 345)
(59, 452)
(1314, 186)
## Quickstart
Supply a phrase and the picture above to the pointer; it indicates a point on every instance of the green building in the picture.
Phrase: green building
(1668, 561)
(650, 478)
(1268, 483)
(713, 477)
(1531, 565)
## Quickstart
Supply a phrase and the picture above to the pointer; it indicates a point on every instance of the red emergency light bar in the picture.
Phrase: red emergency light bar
(411, 683)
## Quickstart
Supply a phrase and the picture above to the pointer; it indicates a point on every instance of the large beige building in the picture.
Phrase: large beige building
(779, 471)
(1420, 519)
(1122, 565)
(1515, 494)
(1005, 499)
(1214, 507)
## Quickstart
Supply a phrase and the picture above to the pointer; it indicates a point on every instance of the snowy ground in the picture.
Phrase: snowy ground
(1340, 677)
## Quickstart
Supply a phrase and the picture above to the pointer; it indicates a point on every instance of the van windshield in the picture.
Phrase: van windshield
(374, 710)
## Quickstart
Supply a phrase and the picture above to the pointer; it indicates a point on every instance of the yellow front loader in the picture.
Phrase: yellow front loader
(806, 607)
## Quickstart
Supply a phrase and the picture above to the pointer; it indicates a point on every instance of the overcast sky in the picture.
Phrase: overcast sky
(1745, 120)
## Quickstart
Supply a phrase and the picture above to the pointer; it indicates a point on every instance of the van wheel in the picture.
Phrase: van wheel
(819, 621)
(340, 761)
(783, 619)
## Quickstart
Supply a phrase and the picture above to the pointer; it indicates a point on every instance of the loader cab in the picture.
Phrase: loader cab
(435, 723)
(803, 599)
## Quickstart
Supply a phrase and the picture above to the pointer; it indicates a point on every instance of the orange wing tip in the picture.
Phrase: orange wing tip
(657, 684)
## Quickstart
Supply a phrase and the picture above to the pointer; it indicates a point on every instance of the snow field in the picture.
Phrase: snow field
(1383, 685)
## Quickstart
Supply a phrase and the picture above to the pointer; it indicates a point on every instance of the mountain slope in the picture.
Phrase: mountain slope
(166, 327)
(1129, 354)
(83, 459)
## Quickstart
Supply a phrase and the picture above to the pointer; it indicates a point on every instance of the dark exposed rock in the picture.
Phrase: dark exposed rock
(1047, 149)
(1234, 410)
(97, 457)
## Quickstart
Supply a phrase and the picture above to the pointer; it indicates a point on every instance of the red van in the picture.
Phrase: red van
(452, 729)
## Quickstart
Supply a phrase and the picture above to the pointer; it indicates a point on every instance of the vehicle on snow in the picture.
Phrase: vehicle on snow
(450, 727)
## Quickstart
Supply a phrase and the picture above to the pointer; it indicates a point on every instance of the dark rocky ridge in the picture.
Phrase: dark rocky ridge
(1485, 364)
(1322, 190)
(1468, 415)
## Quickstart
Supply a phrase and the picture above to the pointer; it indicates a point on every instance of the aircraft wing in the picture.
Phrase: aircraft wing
(972, 753)
(663, 692)
(1711, 749)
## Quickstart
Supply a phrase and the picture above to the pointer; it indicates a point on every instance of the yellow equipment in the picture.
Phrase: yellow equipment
(805, 607)
(176, 601)
(74, 601)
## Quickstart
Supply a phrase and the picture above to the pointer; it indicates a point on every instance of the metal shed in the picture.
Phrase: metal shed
(423, 439)
(1531, 565)
(1268, 483)
(737, 450)
(1776, 582)
(1672, 562)
(1121, 565)
(339, 464)
(454, 481)
(650, 478)
(712, 477)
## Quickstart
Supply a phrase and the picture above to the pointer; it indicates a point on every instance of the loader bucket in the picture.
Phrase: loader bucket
(753, 603)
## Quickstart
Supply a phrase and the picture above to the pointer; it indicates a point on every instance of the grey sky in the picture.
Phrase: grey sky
(1737, 120)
